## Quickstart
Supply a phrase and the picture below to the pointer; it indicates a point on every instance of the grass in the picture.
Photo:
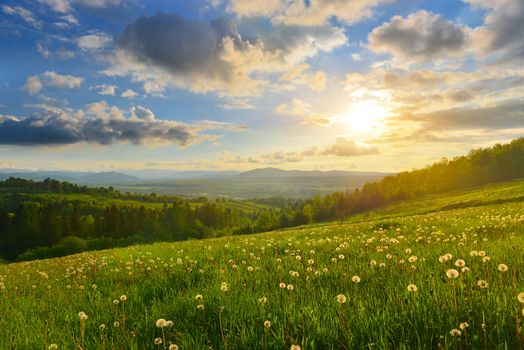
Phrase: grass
(391, 249)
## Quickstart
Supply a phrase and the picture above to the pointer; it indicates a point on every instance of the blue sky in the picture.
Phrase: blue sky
(237, 84)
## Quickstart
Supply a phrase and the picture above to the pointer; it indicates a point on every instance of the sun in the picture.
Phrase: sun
(365, 116)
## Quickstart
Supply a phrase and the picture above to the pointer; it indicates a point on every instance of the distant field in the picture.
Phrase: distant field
(219, 293)
(245, 188)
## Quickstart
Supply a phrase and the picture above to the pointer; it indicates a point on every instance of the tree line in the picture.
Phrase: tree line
(35, 229)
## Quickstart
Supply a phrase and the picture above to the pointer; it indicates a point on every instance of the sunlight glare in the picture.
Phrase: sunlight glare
(365, 116)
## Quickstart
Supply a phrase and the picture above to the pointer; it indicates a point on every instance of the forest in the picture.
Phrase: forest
(34, 226)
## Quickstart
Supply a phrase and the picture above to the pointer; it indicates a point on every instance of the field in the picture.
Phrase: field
(442, 272)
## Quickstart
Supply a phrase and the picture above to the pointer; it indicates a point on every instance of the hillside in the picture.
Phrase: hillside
(331, 286)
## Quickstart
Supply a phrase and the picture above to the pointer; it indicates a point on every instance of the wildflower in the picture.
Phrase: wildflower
(473, 253)
(442, 259)
(412, 288)
(282, 285)
(173, 347)
(482, 253)
(267, 324)
(200, 306)
(455, 332)
(160, 323)
(262, 300)
(290, 287)
(341, 298)
(158, 341)
(460, 263)
(116, 301)
(482, 284)
(223, 287)
(116, 324)
(463, 325)
(311, 261)
(123, 298)
(102, 327)
(486, 259)
(169, 324)
(52, 347)
(199, 297)
(295, 347)
(250, 269)
(94, 286)
(503, 267)
(520, 297)
(448, 256)
(355, 279)
(452, 273)
(465, 269)
(82, 315)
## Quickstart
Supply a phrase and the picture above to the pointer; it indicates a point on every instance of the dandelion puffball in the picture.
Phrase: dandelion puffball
(341, 298)
(452, 273)
(355, 279)
(455, 332)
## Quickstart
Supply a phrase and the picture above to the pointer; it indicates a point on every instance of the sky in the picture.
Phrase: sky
(361, 85)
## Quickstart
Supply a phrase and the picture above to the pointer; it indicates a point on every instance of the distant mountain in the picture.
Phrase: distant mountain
(280, 173)
(166, 174)
(108, 177)
(88, 178)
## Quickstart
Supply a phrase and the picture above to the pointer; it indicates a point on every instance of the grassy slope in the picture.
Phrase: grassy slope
(162, 280)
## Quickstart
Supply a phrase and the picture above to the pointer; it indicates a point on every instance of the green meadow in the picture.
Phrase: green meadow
(442, 272)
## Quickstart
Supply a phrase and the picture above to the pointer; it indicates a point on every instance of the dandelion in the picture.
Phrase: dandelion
(262, 300)
(452, 273)
(199, 297)
(412, 288)
(173, 347)
(102, 327)
(82, 315)
(160, 323)
(465, 269)
(116, 301)
(473, 253)
(169, 324)
(295, 347)
(282, 285)
(224, 287)
(520, 297)
(482, 253)
(448, 256)
(116, 324)
(341, 298)
(463, 325)
(460, 263)
(442, 259)
(94, 286)
(290, 287)
(158, 341)
(200, 306)
(52, 347)
(250, 269)
(355, 279)
(486, 259)
(455, 332)
(267, 324)
(503, 267)
(123, 298)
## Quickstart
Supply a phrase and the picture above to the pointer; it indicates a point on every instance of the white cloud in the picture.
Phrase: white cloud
(24, 14)
(105, 89)
(129, 94)
(50, 78)
(93, 41)
(300, 12)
